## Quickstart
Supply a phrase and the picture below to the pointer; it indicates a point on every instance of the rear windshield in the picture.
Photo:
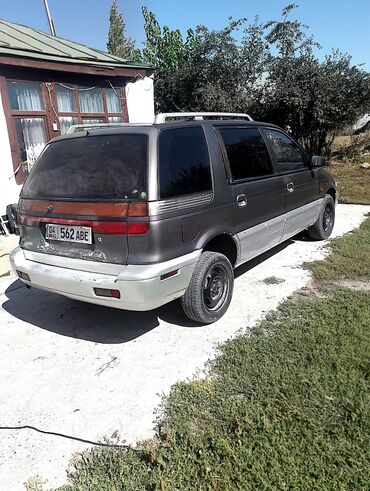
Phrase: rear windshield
(92, 167)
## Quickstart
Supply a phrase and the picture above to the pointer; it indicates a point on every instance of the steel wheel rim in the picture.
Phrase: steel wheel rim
(215, 288)
(327, 219)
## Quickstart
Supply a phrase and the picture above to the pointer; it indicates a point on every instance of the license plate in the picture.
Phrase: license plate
(68, 233)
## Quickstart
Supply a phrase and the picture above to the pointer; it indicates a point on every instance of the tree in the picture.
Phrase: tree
(195, 73)
(118, 44)
(273, 73)
(316, 99)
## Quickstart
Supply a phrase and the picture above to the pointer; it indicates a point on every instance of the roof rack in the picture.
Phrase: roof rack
(75, 128)
(162, 117)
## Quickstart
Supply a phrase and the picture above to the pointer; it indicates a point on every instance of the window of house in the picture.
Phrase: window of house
(184, 166)
(289, 157)
(247, 153)
(113, 100)
(31, 136)
(66, 122)
(91, 100)
(90, 105)
(25, 96)
(65, 99)
(41, 109)
(115, 119)
(28, 108)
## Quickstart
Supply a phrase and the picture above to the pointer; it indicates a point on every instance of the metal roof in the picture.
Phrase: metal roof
(363, 121)
(26, 42)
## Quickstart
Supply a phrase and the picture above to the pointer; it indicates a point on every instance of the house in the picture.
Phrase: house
(48, 84)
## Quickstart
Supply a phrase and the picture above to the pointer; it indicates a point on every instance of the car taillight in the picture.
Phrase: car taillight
(137, 210)
(137, 228)
(119, 226)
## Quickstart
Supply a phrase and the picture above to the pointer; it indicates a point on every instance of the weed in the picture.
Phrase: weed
(273, 280)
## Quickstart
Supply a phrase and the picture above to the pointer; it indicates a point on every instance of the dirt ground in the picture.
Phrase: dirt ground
(79, 371)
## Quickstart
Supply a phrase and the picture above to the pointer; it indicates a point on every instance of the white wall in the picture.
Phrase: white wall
(140, 100)
(9, 190)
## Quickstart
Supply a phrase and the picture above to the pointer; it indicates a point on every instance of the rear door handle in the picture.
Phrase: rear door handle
(290, 187)
(241, 199)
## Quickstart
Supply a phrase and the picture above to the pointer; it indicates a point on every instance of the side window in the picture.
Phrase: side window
(247, 153)
(289, 156)
(184, 166)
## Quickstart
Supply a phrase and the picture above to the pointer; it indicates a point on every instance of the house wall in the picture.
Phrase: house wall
(140, 100)
(9, 190)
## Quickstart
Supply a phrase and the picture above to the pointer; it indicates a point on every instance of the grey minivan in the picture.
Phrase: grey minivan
(135, 216)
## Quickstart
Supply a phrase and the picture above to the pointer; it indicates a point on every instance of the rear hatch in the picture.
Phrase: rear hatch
(83, 198)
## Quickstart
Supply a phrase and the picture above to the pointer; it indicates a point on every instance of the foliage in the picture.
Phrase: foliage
(272, 73)
(286, 407)
(118, 44)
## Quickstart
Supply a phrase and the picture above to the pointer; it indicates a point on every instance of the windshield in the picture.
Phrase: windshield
(92, 167)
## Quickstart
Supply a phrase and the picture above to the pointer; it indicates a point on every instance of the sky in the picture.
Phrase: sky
(340, 24)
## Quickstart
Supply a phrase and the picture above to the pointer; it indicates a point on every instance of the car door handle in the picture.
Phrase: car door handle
(290, 187)
(241, 199)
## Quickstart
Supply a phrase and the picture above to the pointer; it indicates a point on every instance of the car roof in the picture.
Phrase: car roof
(149, 128)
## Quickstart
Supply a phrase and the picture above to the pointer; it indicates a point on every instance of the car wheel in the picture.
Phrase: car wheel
(210, 290)
(323, 227)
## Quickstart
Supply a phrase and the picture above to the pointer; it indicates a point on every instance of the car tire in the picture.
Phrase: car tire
(210, 289)
(323, 226)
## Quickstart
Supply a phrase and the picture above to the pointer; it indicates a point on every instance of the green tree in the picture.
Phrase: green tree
(118, 43)
(273, 73)
(315, 99)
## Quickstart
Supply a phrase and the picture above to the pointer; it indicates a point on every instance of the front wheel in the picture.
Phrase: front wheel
(210, 289)
(323, 227)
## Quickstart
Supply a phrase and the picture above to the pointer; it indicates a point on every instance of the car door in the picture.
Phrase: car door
(257, 213)
(300, 181)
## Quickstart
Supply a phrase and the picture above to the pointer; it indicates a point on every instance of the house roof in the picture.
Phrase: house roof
(26, 42)
(363, 121)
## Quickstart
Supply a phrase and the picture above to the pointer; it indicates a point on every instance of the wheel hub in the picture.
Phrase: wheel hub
(215, 288)
(327, 218)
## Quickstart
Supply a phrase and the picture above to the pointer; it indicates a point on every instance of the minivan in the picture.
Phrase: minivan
(135, 216)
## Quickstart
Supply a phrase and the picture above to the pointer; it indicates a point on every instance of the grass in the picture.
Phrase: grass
(273, 280)
(350, 258)
(286, 408)
(353, 182)
(349, 151)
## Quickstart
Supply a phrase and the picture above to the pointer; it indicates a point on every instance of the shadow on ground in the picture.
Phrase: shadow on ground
(95, 323)
(75, 319)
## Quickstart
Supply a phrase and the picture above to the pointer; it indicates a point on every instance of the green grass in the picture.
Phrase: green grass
(349, 151)
(350, 257)
(273, 280)
(353, 182)
(286, 408)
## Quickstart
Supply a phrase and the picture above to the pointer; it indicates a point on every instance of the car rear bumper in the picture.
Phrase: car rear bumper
(142, 287)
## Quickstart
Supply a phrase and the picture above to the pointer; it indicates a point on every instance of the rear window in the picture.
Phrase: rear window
(184, 166)
(93, 167)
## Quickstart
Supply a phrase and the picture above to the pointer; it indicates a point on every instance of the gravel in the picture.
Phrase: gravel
(89, 372)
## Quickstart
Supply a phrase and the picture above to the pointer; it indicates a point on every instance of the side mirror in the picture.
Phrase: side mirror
(318, 161)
